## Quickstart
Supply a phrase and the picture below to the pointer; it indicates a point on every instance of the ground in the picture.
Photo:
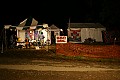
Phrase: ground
(25, 64)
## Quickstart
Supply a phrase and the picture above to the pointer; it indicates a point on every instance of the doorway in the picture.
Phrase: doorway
(52, 37)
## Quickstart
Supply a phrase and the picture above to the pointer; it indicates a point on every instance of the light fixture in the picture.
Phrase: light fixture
(61, 29)
(7, 26)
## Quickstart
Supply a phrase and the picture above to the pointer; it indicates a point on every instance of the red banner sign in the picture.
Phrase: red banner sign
(61, 39)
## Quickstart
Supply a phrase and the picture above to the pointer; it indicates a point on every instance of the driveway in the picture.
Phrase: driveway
(58, 70)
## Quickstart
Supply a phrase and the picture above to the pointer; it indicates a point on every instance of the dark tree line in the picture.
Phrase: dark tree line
(106, 12)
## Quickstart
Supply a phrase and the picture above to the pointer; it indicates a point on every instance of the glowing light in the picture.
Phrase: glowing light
(61, 29)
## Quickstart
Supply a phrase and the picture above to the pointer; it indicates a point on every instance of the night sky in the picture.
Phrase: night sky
(106, 12)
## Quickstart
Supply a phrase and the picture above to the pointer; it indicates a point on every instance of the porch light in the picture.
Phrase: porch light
(61, 29)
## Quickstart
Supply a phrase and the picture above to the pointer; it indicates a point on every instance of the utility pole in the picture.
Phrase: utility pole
(69, 23)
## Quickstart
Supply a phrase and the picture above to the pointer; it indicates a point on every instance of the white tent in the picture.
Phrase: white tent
(30, 24)
(78, 32)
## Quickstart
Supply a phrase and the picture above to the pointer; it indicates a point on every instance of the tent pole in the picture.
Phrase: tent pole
(47, 39)
(2, 47)
(5, 40)
(2, 40)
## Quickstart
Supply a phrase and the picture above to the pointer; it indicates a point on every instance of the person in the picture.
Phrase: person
(11, 41)
(26, 42)
(41, 38)
(15, 39)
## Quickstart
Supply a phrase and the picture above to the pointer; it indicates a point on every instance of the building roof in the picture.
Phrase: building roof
(53, 27)
(85, 25)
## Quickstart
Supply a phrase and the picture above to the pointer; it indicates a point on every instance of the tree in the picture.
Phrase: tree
(110, 14)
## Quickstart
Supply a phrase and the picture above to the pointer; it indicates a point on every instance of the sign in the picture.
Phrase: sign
(61, 39)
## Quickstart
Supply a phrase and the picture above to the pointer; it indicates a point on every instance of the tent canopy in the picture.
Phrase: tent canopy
(28, 23)
(24, 27)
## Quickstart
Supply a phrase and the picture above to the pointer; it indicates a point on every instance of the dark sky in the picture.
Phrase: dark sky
(106, 12)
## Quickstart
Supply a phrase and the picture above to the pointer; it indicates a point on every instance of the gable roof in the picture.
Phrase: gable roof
(53, 27)
(85, 25)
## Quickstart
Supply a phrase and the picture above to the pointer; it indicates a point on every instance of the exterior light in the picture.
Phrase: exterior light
(61, 29)
(7, 26)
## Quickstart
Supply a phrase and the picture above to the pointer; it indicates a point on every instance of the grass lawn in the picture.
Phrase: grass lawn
(43, 54)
